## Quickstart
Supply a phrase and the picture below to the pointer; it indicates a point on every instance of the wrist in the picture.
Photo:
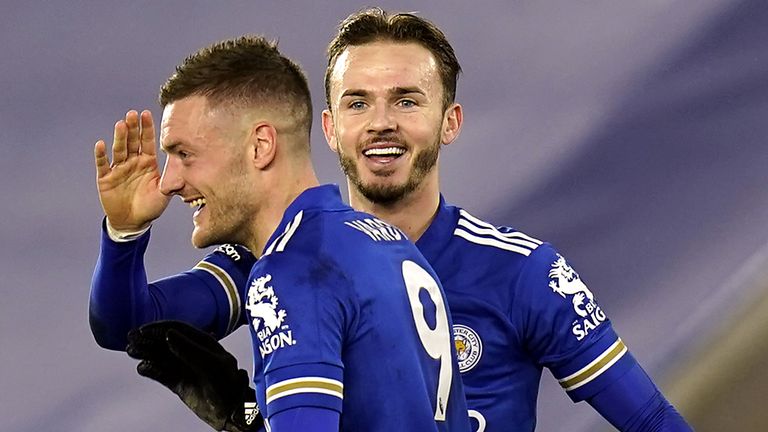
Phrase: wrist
(124, 235)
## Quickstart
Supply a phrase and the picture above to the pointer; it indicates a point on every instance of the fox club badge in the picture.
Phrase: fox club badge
(469, 347)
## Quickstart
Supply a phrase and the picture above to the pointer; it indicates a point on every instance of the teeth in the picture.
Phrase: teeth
(386, 151)
(197, 202)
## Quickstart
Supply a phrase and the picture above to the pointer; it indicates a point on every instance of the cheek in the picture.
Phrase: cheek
(346, 138)
(419, 131)
(430, 128)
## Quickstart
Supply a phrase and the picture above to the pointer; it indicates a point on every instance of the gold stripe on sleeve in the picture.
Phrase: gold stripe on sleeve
(305, 385)
(593, 370)
(229, 288)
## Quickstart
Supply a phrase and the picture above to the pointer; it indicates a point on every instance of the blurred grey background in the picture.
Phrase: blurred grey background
(629, 134)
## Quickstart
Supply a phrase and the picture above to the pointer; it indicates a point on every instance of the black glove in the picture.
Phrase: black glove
(199, 370)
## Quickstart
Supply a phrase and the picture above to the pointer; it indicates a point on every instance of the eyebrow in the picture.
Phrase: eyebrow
(392, 90)
(170, 148)
(407, 90)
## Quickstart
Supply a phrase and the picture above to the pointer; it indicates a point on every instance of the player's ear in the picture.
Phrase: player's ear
(453, 118)
(263, 139)
(329, 130)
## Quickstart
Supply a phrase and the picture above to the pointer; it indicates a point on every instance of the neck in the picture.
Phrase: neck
(279, 191)
(412, 214)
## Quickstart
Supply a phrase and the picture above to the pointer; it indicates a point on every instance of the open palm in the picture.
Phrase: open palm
(129, 187)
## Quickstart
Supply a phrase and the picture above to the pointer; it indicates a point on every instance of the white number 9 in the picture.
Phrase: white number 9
(438, 342)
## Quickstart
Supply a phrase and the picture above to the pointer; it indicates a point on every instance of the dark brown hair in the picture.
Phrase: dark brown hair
(247, 70)
(372, 25)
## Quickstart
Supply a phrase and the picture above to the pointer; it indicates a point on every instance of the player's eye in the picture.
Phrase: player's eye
(357, 105)
(407, 103)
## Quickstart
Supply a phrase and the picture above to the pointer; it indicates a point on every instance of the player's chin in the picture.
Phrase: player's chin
(202, 239)
(384, 192)
(387, 181)
(385, 177)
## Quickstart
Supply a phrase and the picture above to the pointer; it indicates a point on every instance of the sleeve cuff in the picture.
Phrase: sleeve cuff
(119, 236)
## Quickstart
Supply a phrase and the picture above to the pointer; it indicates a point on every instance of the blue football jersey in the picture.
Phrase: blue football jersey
(516, 304)
(346, 314)
(517, 307)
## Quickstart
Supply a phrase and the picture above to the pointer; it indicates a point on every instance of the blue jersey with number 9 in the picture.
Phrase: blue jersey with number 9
(346, 314)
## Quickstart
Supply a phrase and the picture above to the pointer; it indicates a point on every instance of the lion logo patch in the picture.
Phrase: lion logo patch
(267, 318)
(566, 282)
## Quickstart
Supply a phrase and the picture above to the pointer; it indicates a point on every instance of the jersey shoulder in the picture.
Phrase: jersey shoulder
(555, 313)
(481, 236)
(344, 234)
(226, 271)
(231, 256)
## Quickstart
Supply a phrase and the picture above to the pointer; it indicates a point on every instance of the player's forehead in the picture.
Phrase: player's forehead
(183, 119)
(176, 118)
(385, 66)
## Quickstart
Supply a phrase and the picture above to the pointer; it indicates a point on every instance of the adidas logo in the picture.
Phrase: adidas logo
(251, 412)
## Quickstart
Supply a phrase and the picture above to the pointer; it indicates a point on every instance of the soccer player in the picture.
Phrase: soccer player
(517, 305)
(347, 319)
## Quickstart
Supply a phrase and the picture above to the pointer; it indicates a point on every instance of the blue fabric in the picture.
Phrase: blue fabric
(632, 403)
(509, 322)
(305, 419)
(335, 300)
(519, 306)
(121, 299)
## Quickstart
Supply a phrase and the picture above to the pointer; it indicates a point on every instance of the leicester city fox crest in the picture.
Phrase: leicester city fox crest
(267, 317)
(566, 282)
(469, 347)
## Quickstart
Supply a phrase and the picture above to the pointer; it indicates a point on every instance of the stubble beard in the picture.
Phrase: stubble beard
(389, 193)
(230, 213)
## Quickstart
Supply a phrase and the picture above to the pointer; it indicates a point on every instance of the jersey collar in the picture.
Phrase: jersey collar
(323, 197)
(435, 239)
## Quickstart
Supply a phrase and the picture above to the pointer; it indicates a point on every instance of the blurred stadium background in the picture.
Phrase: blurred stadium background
(632, 135)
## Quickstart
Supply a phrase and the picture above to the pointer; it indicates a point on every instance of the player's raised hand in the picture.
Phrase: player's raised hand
(129, 187)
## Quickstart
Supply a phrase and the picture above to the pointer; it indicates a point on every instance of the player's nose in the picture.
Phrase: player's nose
(382, 118)
(171, 182)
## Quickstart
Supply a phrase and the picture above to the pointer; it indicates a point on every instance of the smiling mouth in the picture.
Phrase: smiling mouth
(384, 153)
(198, 203)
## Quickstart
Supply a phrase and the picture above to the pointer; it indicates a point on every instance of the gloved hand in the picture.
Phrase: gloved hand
(192, 364)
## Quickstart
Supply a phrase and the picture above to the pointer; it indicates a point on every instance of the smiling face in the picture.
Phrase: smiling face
(387, 119)
(207, 166)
